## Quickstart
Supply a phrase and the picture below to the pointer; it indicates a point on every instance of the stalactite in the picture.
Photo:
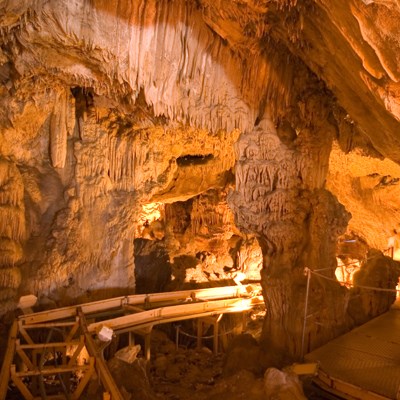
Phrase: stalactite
(12, 222)
(186, 72)
(12, 211)
(10, 252)
(12, 230)
(10, 278)
(58, 132)
(124, 161)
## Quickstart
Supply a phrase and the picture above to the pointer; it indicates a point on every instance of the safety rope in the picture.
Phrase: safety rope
(203, 337)
(317, 273)
(351, 284)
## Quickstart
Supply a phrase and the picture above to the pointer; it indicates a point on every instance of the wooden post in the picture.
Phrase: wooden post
(146, 333)
(213, 320)
(131, 338)
(101, 366)
(199, 333)
(215, 338)
(24, 333)
(73, 330)
(147, 344)
(20, 385)
(23, 355)
(8, 358)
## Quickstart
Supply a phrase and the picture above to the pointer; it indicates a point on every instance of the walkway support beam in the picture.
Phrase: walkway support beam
(8, 358)
(308, 272)
(100, 365)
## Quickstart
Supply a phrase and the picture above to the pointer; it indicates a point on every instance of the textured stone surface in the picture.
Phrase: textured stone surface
(281, 385)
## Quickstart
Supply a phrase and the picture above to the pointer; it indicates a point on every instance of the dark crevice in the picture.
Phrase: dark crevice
(194, 160)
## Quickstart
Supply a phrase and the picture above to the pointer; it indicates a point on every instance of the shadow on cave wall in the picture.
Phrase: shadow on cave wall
(152, 266)
(155, 273)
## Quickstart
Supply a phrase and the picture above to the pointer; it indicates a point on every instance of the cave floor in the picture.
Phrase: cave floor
(368, 357)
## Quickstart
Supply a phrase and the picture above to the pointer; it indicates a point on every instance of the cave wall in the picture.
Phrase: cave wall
(121, 50)
(369, 188)
(82, 217)
(353, 46)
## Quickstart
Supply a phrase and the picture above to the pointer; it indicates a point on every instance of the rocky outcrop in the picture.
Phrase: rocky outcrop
(377, 272)
(281, 385)
(131, 378)
(97, 130)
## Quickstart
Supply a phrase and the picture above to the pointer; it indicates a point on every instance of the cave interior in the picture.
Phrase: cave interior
(166, 145)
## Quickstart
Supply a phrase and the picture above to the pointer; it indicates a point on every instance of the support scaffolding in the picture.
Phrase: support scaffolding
(28, 360)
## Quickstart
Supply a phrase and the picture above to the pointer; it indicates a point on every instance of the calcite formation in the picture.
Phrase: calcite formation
(279, 196)
(12, 231)
(201, 131)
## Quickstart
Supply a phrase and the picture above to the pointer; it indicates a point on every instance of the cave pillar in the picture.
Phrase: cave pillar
(279, 196)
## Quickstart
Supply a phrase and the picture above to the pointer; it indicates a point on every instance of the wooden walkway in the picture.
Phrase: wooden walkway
(364, 363)
(70, 331)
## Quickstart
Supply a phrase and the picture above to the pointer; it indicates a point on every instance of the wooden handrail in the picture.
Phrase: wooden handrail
(138, 299)
(173, 313)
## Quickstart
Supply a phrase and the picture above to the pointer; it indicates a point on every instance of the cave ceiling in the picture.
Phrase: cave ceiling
(164, 48)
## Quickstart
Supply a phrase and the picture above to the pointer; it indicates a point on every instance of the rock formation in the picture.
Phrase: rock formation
(12, 231)
(126, 129)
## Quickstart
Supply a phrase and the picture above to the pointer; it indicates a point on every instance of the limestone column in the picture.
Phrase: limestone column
(280, 197)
